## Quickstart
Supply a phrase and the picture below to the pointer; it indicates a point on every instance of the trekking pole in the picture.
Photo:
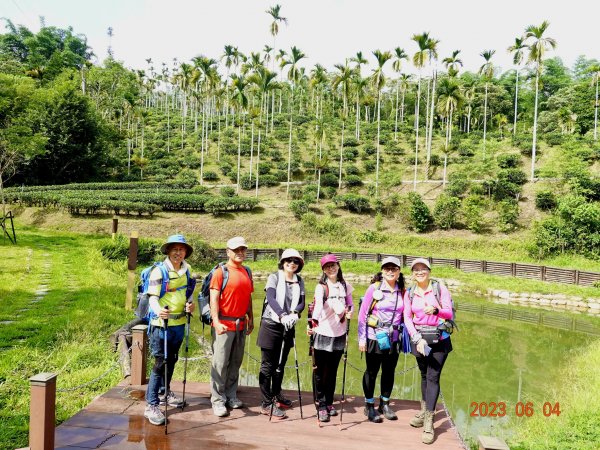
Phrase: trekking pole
(298, 377)
(187, 341)
(311, 353)
(166, 330)
(278, 370)
(344, 376)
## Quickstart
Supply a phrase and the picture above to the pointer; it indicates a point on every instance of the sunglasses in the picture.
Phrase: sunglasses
(390, 269)
(292, 261)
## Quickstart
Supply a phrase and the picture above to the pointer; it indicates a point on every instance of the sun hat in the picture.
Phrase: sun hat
(391, 260)
(176, 239)
(292, 253)
(236, 242)
(423, 261)
(328, 258)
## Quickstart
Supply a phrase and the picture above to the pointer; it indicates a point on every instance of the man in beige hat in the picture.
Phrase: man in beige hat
(232, 320)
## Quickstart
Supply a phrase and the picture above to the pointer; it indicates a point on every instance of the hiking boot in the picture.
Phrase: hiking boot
(384, 408)
(428, 433)
(172, 400)
(323, 415)
(283, 402)
(331, 410)
(234, 403)
(154, 415)
(371, 414)
(220, 410)
(417, 420)
(277, 414)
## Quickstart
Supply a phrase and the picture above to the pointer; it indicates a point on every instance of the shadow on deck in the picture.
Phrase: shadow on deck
(116, 420)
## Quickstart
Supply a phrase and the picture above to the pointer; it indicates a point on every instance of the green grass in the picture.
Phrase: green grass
(579, 398)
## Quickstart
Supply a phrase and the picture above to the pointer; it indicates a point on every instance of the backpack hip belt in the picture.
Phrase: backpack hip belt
(232, 319)
(177, 316)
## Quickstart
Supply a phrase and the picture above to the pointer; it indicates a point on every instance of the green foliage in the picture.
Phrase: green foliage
(508, 213)
(473, 213)
(227, 191)
(329, 179)
(508, 161)
(218, 205)
(209, 175)
(353, 181)
(446, 210)
(457, 186)
(545, 200)
(299, 208)
(353, 202)
(420, 216)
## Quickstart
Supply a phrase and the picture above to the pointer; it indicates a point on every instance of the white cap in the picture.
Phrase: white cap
(236, 242)
(391, 260)
(423, 261)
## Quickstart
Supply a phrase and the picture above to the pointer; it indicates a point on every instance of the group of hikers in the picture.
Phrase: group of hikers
(392, 318)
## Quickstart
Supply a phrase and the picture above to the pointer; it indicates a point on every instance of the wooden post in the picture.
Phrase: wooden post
(42, 411)
(491, 443)
(139, 345)
(131, 265)
(115, 226)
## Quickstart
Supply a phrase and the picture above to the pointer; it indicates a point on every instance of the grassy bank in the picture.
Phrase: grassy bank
(577, 427)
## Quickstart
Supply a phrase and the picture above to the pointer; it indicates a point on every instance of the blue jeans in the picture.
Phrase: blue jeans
(175, 337)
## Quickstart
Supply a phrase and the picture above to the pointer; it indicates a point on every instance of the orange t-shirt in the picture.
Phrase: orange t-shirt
(235, 298)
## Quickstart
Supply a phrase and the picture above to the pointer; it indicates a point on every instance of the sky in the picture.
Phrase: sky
(327, 31)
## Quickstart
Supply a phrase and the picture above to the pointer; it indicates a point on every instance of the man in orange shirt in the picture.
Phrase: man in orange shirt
(232, 320)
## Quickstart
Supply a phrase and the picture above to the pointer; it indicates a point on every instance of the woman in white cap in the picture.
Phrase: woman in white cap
(428, 305)
(379, 335)
(333, 307)
(283, 304)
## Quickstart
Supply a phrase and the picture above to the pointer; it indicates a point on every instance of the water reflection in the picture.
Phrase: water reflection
(494, 360)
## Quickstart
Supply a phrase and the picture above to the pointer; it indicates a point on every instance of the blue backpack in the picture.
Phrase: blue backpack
(204, 294)
(143, 311)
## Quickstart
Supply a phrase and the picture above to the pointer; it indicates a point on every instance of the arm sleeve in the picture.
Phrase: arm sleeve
(408, 315)
(318, 302)
(349, 302)
(272, 295)
(362, 314)
(445, 312)
(302, 300)
(217, 280)
(154, 305)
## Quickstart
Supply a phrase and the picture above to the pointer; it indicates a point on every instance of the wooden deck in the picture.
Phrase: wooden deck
(115, 420)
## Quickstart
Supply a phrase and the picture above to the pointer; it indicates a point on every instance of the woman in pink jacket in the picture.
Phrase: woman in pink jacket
(426, 305)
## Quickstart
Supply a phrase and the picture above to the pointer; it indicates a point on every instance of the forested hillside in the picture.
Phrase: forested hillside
(479, 148)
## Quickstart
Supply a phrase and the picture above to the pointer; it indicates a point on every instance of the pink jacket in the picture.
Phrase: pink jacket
(329, 323)
(414, 314)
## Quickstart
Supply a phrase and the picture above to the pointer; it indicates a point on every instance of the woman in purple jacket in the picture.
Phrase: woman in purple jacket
(427, 305)
(379, 334)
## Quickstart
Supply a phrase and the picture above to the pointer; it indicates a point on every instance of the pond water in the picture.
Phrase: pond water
(494, 360)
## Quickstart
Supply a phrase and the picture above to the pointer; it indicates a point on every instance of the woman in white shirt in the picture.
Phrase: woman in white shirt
(332, 310)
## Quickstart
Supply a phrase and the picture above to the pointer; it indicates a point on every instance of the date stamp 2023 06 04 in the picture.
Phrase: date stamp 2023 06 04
(501, 409)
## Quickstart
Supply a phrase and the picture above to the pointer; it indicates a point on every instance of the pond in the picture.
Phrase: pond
(494, 360)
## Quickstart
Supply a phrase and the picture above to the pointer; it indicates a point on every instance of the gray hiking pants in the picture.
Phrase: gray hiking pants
(228, 353)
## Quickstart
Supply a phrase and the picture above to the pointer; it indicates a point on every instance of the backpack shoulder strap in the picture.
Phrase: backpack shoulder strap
(225, 271)
(373, 301)
(164, 285)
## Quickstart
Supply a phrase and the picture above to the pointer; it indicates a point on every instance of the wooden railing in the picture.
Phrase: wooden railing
(530, 271)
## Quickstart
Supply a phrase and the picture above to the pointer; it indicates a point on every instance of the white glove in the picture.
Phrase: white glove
(338, 306)
(288, 321)
(421, 346)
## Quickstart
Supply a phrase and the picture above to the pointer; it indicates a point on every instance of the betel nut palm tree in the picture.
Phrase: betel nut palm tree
(420, 58)
(378, 79)
(294, 75)
(274, 12)
(487, 73)
(517, 51)
(399, 55)
(537, 50)
(594, 69)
